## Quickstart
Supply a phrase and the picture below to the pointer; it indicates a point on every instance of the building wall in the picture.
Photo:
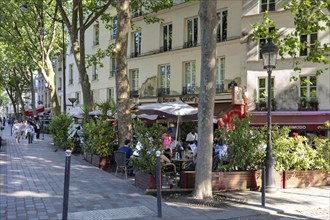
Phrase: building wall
(241, 55)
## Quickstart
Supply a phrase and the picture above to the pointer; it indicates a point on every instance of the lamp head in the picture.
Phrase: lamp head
(269, 54)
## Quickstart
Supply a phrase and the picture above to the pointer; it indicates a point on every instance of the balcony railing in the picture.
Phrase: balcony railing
(112, 73)
(163, 92)
(219, 88)
(189, 90)
(134, 94)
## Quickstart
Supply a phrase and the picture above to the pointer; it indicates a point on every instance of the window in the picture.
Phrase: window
(110, 93)
(263, 90)
(59, 84)
(77, 95)
(262, 41)
(220, 75)
(164, 80)
(113, 67)
(71, 74)
(192, 32)
(308, 86)
(167, 37)
(114, 28)
(95, 72)
(308, 43)
(267, 5)
(95, 95)
(134, 80)
(136, 44)
(96, 31)
(189, 77)
(222, 26)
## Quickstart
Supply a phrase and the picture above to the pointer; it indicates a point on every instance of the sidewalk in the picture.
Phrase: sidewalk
(31, 187)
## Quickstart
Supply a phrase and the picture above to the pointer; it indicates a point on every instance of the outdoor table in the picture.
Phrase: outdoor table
(180, 162)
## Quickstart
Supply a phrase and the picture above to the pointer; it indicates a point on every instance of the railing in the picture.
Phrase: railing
(189, 90)
(219, 88)
(163, 92)
(134, 94)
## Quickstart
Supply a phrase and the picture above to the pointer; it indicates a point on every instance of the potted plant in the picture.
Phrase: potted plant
(145, 163)
(100, 136)
(303, 104)
(261, 105)
(314, 103)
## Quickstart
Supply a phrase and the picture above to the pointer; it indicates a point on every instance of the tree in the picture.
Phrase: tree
(310, 16)
(83, 14)
(207, 14)
(122, 83)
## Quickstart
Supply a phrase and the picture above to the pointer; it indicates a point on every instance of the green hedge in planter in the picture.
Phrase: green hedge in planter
(246, 149)
(99, 137)
(151, 140)
(59, 130)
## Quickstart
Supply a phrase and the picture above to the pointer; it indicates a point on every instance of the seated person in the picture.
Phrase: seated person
(126, 148)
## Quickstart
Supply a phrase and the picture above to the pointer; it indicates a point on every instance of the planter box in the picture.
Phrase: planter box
(95, 160)
(244, 180)
(305, 178)
(222, 180)
(88, 157)
(145, 181)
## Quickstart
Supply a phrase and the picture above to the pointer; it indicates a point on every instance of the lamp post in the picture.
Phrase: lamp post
(24, 9)
(269, 55)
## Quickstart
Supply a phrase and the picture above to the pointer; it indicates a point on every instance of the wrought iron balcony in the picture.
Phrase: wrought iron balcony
(189, 90)
(163, 92)
(134, 94)
(219, 88)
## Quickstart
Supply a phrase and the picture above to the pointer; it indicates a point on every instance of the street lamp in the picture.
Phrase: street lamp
(269, 56)
(24, 9)
(72, 100)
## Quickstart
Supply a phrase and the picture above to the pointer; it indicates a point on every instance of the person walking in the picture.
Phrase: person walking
(29, 132)
(37, 127)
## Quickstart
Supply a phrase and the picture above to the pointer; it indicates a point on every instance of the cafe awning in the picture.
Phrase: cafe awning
(295, 120)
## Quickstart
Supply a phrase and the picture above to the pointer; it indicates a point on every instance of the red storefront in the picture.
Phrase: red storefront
(304, 121)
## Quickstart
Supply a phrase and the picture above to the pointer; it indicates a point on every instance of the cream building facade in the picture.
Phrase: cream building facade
(164, 59)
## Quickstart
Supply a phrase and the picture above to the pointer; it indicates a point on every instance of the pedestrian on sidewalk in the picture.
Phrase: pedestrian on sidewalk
(29, 132)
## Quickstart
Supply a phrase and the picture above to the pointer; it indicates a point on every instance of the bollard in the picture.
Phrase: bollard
(158, 179)
(263, 186)
(66, 185)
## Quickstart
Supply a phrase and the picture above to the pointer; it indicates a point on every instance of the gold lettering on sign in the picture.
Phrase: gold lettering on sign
(160, 100)
(189, 99)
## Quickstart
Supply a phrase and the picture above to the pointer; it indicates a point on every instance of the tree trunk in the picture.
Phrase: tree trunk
(122, 83)
(51, 82)
(207, 14)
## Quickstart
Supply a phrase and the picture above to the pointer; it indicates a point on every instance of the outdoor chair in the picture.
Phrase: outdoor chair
(170, 172)
(120, 158)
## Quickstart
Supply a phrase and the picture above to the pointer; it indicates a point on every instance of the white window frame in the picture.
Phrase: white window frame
(267, 3)
(310, 43)
(220, 74)
(165, 78)
(189, 76)
(192, 35)
(111, 93)
(77, 95)
(112, 67)
(70, 74)
(114, 30)
(221, 36)
(96, 34)
(307, 86)
(136, 46)
(95, 72)
(167, 32)
(134, 79)
(266, 89)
